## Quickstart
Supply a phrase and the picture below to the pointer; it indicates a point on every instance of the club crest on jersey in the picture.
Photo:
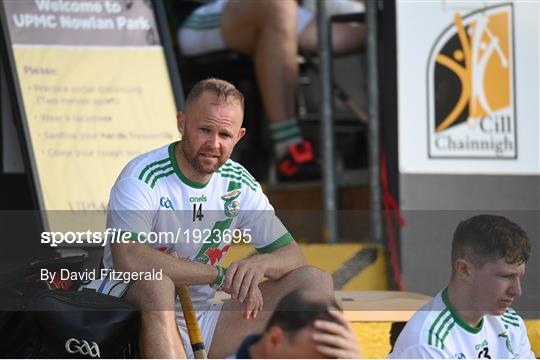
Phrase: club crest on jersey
(231, 205)
(504, 335)
(231, 195)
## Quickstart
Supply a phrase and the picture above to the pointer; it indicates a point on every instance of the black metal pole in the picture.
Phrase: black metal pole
(374, 124)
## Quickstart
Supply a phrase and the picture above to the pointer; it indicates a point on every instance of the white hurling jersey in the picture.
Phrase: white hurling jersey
(436, 331)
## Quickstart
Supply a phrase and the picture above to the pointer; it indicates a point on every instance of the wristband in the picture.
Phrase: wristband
(220, 278)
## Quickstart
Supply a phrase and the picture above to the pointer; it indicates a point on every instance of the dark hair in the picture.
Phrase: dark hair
(225, 91)
(489, 237)
(300, 309)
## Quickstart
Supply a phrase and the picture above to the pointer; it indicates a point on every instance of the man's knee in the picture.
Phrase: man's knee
(284, 9)
(311, 276)
(278, 16)
(245, 23)
(152, 294)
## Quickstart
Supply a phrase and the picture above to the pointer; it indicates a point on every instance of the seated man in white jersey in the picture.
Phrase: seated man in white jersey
(471, 318)
(189, 188)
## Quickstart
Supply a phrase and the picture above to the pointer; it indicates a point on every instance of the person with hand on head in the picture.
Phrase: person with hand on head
(472, 318)
(191, 188)
(305, 324)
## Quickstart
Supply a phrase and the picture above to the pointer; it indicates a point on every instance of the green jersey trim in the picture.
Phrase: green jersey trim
(238, 174)
(457, 319)
(202, 21)
(510, 323)
(241, 179)
(201, 25)
(277, 244)
(239, 169)
(510, 316)
(179, 173)
(447, 332)
(160, 176)
(155, 163)
(133, 236)
(510, 319)
(432, 332)
(439, 334)
(155, 170)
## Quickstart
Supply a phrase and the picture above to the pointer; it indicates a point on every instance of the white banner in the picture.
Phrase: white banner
(468, 84)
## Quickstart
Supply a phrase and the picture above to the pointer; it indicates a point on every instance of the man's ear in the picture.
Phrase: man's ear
(180, 122)
(463, 269)
(241, 134)
(274, 339)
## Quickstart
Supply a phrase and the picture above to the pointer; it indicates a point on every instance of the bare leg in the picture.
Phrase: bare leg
(159, 336)
(267, 30)
(231, 328)
(346, 37)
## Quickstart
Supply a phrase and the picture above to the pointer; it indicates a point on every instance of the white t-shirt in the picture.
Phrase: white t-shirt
(436, 331)
(154, 202)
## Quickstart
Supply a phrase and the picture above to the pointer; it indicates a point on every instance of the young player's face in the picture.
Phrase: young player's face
(210, 130)
(496, 285)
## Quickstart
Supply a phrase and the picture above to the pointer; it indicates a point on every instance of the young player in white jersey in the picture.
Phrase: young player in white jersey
(471, 318)
(188, 197)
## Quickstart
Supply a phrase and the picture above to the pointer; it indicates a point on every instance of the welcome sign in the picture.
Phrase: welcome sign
(95, 90)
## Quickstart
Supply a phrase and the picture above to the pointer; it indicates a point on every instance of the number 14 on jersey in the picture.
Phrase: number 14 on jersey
(197, 212)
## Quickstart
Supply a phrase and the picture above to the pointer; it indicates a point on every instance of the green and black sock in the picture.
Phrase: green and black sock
(285, 134)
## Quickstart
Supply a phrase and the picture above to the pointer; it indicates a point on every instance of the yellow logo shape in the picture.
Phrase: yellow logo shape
(482, 63)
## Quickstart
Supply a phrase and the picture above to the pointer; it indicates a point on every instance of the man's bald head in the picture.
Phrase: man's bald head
(301, 308)
(224, 91)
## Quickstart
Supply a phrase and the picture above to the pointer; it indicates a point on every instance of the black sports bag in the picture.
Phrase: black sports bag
(80, 324)
(38, 322)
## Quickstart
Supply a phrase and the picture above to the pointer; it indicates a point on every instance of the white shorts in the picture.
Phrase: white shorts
(207, 320)
(201, 32)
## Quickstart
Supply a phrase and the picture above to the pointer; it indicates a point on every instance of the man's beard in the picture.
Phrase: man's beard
(192, 159)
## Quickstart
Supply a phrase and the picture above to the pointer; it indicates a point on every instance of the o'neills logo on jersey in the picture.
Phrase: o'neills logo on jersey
(471, 106)
(198, 199)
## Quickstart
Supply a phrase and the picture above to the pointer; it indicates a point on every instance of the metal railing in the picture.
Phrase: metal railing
(327, 123)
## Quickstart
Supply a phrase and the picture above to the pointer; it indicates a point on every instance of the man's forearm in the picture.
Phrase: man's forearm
(137, 257)
(282, 261)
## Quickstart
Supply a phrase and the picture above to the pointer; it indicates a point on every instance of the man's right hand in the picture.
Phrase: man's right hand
(242, 283)
(336, 340)
(243, 277)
